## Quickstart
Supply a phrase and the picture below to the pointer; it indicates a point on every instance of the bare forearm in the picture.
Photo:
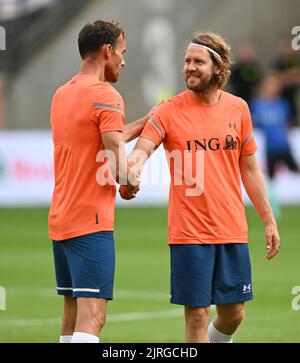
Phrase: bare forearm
(138, 157)
(134, 129)
(116, 153)
(253, 181)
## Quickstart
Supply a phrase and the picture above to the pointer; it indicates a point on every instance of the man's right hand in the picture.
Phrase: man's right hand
(128, 193)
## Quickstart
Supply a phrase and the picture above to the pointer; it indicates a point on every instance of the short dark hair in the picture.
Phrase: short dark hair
(94, 35)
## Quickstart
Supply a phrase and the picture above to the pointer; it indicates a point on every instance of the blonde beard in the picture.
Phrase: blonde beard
(203, 88)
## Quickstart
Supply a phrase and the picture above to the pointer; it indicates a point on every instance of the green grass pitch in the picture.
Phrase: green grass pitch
(141, 311)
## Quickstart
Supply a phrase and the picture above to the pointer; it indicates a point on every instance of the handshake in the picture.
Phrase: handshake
(128, 192)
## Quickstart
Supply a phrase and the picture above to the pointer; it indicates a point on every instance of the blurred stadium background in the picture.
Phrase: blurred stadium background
(39, 54)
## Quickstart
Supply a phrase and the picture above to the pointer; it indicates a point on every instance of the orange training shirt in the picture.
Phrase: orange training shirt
(81, 110)
(219, 133)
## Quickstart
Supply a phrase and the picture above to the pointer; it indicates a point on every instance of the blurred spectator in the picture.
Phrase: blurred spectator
(288, 64)
(246, 73)
(272, 115)
(14, 8)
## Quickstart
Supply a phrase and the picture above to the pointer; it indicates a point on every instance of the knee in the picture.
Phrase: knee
(235, 317)
(197, 318)
(238, 316)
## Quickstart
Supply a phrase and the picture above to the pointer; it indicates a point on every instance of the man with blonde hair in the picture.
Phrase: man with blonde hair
(211, 131)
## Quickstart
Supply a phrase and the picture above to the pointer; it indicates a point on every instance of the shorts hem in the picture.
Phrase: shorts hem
(95, 295)
(192, 304)
(233, 300)
(213, 302)
(65, 293)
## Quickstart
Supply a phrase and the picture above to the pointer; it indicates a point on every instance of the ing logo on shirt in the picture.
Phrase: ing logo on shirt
(213, 144)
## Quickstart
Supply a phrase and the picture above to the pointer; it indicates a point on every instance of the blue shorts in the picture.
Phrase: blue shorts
(85, 265)
(206, 274)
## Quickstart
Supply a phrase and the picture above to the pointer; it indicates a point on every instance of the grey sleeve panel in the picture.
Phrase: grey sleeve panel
(108, 107)
(247, 139)
(162, 134)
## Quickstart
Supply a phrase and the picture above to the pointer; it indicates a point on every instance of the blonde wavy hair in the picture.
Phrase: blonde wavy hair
(219, 45)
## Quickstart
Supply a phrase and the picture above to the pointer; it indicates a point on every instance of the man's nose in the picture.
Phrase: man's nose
(191, 67)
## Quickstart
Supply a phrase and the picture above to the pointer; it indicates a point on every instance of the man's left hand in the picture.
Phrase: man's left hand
(272, 240)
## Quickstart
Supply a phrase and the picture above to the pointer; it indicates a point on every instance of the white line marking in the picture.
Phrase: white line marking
(112, 318)
(145, 315)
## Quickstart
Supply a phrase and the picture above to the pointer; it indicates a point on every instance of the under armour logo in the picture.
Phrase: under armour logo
(246, 288)
(232, 125)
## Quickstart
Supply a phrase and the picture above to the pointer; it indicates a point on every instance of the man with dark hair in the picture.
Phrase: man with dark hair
(87, 116)
(209, 134)
(94, 35)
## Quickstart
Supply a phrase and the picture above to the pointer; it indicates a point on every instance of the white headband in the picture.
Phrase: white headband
(209, 49)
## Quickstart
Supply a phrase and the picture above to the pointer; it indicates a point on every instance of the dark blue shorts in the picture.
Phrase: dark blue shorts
(85, 265)
(202, 274)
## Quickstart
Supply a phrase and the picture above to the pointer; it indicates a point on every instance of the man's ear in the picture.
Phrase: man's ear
(217, 70)
(107, 51)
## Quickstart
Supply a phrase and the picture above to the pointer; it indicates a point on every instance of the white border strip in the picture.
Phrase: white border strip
(86, 290)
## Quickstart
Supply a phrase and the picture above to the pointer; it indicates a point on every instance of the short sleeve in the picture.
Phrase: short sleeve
(109, 111)
(248, 144)
(155, 128)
